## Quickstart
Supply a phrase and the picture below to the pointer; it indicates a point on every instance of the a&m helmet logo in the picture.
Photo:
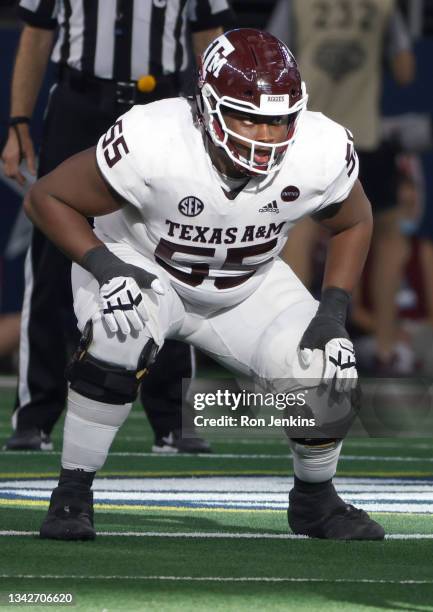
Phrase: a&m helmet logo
(216, 54)
(190, 206)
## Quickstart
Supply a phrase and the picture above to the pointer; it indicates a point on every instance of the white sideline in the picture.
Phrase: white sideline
(216, 579)
(217, 535)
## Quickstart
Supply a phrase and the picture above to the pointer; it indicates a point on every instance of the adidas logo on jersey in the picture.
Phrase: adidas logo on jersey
(272, 207)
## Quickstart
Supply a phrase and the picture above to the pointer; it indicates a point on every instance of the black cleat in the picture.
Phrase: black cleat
(70, 515)
(29, 439)
(324, 514)
(175, 443)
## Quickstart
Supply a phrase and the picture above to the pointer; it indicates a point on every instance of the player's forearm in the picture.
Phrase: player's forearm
(67, 228)
(347, 252)
(201, 40)
(30, 64)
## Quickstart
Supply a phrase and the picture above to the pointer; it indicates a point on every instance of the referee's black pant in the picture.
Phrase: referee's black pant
(75, 121)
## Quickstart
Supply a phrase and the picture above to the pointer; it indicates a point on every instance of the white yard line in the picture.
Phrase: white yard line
(215, 535)
(216, 579)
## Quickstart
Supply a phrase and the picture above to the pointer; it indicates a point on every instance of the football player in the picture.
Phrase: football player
(193, 201)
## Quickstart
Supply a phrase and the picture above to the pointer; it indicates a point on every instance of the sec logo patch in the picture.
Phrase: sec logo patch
(290, 193)
(190, 206)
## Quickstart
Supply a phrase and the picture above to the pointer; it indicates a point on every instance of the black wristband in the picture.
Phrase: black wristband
(334, 303)
(103, 264)
(13, 121)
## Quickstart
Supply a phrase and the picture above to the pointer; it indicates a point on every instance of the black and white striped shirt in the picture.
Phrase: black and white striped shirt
(124, 39)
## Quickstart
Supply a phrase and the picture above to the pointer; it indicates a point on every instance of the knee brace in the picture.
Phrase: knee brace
(315, 459)
(105, 382)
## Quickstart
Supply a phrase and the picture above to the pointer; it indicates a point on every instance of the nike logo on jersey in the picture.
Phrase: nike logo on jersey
(272, 207)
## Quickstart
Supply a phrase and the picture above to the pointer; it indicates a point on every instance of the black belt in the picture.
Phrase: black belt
(120, 92)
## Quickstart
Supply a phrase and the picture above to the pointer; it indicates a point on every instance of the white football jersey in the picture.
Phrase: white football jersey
(216, 250)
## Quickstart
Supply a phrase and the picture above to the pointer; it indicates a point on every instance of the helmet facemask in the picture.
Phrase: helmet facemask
(212, 110)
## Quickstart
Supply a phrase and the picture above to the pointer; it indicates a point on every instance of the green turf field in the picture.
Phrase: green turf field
(210, 532)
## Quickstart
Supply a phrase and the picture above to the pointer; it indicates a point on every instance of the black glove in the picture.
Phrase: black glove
(326, 332)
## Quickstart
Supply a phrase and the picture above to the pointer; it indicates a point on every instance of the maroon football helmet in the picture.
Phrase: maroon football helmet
(252, 72)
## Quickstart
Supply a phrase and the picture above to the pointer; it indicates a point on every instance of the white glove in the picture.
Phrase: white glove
(122, 303)
(340, 362)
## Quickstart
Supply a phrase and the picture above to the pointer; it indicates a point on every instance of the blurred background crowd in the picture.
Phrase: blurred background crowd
(368, 65)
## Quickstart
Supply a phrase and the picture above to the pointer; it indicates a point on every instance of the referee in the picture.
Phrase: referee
(110, 55)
